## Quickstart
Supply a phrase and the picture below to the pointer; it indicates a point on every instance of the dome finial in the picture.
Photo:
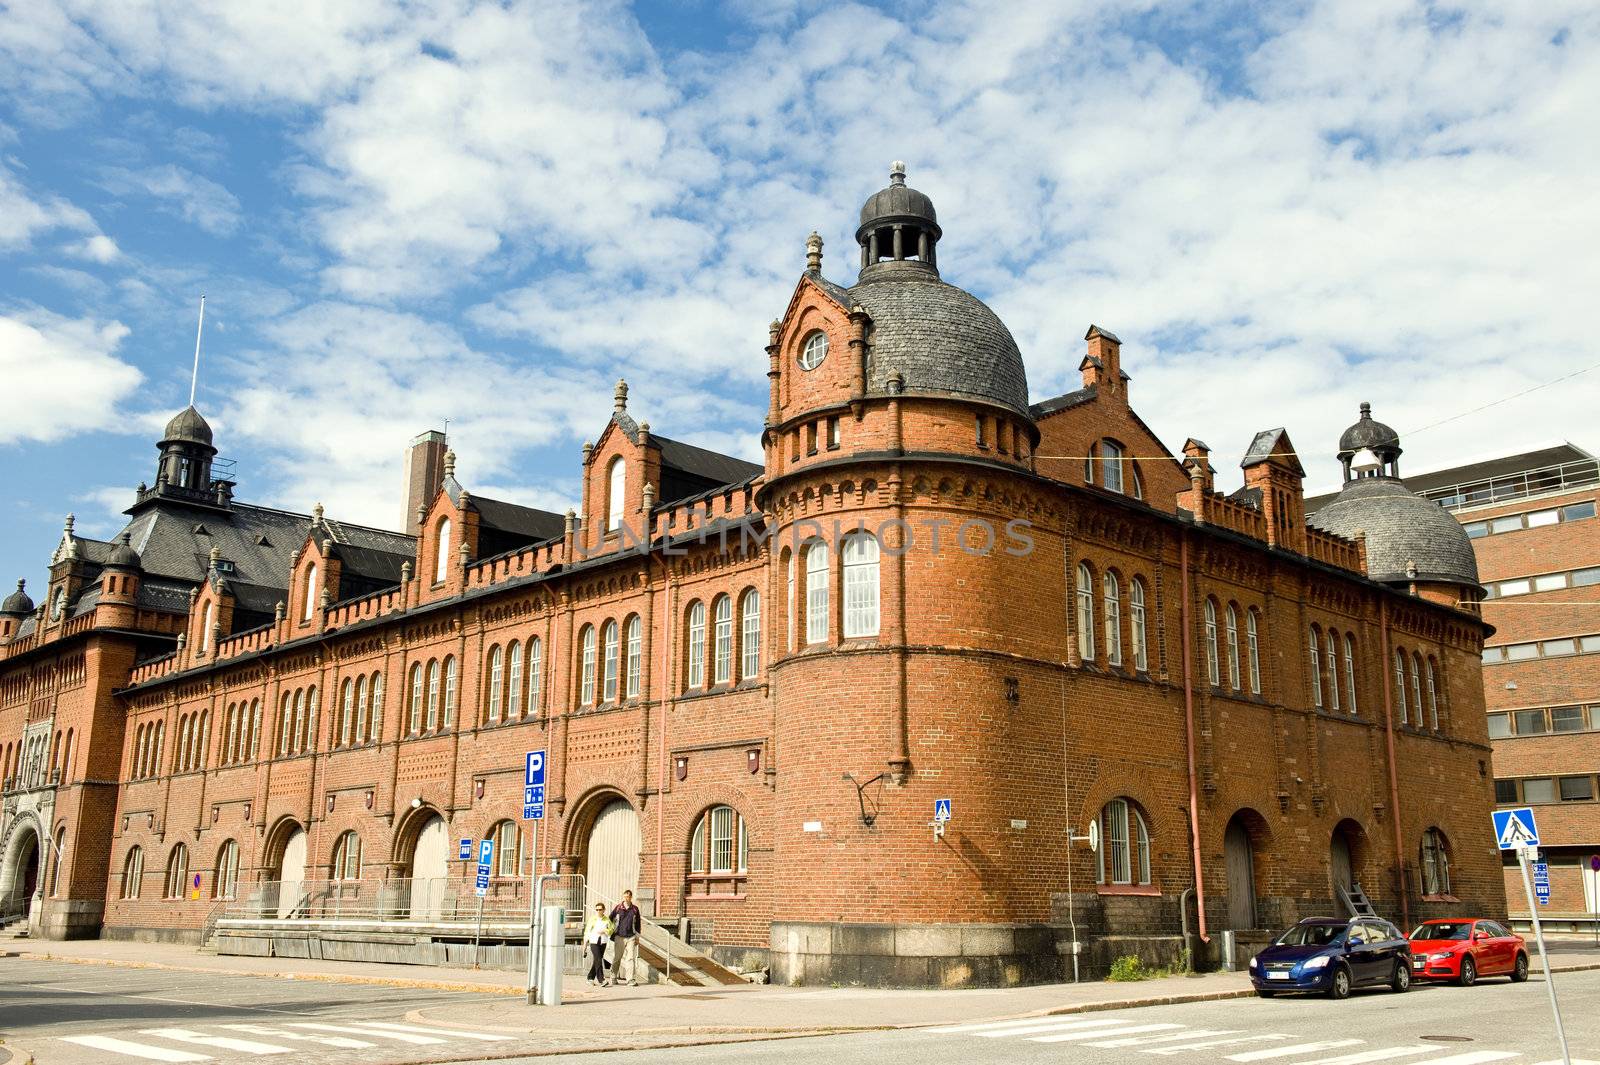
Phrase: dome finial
(620, 397)
(897, 173)
(814, 254)
(1366, 409)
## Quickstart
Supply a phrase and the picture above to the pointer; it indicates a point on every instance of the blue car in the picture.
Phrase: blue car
(1332, 956)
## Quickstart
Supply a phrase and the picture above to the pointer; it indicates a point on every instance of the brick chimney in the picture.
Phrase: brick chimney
(1272, 468)
(424, 476)
(1102, 366)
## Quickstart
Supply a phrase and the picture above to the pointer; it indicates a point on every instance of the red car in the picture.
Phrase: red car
(1465, 950)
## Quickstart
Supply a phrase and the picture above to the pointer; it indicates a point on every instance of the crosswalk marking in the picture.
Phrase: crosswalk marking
(1021, 1022)
(1035, 1027)
(1475, 1057)
(1069, 1037)
(404, 1037)
(1147, 1040)
(389, 1026)
(1183, 1048)
(300, 1037)
(1386, 1054)
(1292, 1051)
(132, 1049)
(221, 1042)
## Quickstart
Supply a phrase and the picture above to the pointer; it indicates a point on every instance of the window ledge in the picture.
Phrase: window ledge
(1440, 898)
(1144, 890)
(717, 897)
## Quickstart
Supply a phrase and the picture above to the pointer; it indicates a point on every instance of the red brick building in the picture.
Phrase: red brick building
(754, 682)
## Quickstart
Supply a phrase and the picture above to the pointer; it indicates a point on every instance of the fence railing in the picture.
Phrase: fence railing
(1516, 485)
(445, 900)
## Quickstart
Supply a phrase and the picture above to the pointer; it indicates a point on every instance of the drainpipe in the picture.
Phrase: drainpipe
(1394, 774)
(1188, 729)
(664, 684)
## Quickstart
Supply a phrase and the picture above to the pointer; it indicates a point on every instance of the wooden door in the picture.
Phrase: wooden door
(291, 873)
(1241, 876)
(612, 860)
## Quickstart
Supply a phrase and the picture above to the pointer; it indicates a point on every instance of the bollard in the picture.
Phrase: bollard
(552, 948)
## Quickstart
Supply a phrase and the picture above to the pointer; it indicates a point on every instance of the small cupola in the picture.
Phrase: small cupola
(18, 603)
(186, 453)
(898, 225)
(1369, 448)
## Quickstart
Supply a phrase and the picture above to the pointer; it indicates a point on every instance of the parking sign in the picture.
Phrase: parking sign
(533, 787)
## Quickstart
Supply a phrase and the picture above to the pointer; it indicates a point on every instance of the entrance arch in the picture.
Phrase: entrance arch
(287, 871)
(21, 873)
(428, 868)
(1246, 829)
(611, 855)
(1344, 857)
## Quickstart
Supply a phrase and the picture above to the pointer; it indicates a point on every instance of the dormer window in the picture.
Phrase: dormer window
(814, 350)
(441, 562)
(1111, 465)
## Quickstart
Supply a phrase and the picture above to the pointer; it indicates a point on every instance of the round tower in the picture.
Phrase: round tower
(119, 582)
(14, 609)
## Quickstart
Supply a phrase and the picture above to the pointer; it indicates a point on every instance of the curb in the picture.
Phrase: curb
(328, 978)
(420, 1016)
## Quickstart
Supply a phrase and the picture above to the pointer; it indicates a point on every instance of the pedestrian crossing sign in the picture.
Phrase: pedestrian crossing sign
(1514, 829)
(941, 809)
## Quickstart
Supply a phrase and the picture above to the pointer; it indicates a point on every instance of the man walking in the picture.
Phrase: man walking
(628, 922)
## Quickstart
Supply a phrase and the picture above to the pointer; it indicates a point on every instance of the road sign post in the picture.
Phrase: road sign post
(1594, 894)
(1515, 830)
(533, 810)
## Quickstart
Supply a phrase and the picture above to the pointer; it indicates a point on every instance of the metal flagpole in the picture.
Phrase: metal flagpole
(194, 375)
(1538, 934)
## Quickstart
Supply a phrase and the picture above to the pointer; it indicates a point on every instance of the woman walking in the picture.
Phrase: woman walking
(595, 936)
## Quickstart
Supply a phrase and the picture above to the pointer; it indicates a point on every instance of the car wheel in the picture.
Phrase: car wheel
(1469, 972)
(1519, 972)
(1401, 981)
(1264, 993)
(1339, 985)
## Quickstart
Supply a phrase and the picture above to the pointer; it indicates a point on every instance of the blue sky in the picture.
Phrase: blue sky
(487, 212)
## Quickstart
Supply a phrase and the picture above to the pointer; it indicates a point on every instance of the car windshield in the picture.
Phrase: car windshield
(1311, 935)
(1444, 930)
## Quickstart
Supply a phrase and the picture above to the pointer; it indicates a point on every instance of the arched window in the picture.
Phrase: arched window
(1112, 598)
(375, 695)
(441, 558)
(616, 480)
(346, 858)
(496, 681)
(363, 715)
(309, 607)
(225, 880)
(1125, 844)
(750, 635)
(1111, 465)
(1085, 613)
(433, 694)
(633, 636)
(1139, 625)
(1416, 686)
(1400, 684)
(1350, 673)
(285, 723)
(415, 724)
(860, 585)
(586, 642)
(1333, 670)
(452, 680)
(514, 680)
(720, 845)
(1433, 697)
(610, 644)
(1231, 621)
(722, 640)
(205, 627)
(132, 873)
(507, 848)
(789, 569)
(816, 592)
(1213, 668)
(1252, 632)
(347, 712)
(1435, 863)
(308, 726)
(697, 644)
(535, 675)
(1316, 669)
(177, 871)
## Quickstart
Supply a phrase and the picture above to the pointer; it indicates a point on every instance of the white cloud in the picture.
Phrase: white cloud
(180, 192)
(22, 216)
(63, 376)
(98, 249)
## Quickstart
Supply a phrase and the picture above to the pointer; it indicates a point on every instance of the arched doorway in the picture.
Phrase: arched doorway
(429, 869)
(21, 875)
(1239, 859)
(611, 858)
(289, 871)
(1344, 854)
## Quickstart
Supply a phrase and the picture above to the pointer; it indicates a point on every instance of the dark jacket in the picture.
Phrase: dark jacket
(627, 921)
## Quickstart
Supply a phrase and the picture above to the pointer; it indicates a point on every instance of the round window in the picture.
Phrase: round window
(814, 351)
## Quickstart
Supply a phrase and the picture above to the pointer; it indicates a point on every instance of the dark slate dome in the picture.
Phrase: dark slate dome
(17, 602)
(1367, 434)
(938, 338)
(189, 426)
(122, 555)
(1402, 529)
(897, 201)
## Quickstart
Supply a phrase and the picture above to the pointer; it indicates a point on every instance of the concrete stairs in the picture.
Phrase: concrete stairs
(676, 961)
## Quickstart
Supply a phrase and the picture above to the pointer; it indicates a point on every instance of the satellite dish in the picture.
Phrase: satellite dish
(1094, 835)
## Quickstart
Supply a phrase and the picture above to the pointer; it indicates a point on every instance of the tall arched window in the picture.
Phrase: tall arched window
(308, 727)
(1085, 593)
(433, 694)
(750, 635)
(309, 607)
(347, 712)
(586, 671)
(286, 724)
(1400, 684)
(452, 682)
(507, 848)
(1139, 625)
(720, 844)
(441, 556)
(1312, 647)
(132, 873)
(1112, 597)
(1333, 670)
(363, 711)
(496, 684)
(1125, 844)
(1435, 863)
(415, 724)
(1416, 686)
(375, 725)
(697, 644)
(789, 569)
(177, 871)
(346, 858)
(816, 592)
(257, 708)
(1433, 697)
(1213, 668)
(613, 651)
(205, 627)
(722, 640)
(1350, 673)
(1252, 632)
(860, 585)
(1111, 465)
(514, 680)
(1231, 621)
(225, 881)
(535, 675)
(616, 480)
(633, 636)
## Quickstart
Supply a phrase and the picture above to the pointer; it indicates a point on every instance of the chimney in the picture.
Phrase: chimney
(424, 476)
(1102, 365)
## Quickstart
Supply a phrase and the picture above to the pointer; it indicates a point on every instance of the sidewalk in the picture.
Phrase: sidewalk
(666, 1012)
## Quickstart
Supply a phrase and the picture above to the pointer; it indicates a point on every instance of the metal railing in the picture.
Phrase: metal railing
(446, 900)
(1516, 485)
